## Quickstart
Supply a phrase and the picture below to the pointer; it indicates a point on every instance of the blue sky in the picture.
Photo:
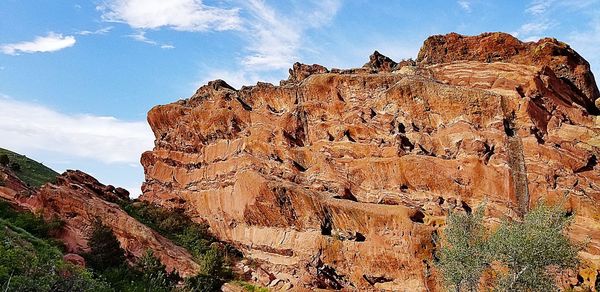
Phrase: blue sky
(78, 77)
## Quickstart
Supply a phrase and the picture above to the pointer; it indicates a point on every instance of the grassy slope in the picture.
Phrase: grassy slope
(32, 172)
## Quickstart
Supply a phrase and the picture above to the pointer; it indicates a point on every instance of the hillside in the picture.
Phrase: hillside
(30, 171)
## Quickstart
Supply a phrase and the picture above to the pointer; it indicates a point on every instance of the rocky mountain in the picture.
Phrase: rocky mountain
(342, 178)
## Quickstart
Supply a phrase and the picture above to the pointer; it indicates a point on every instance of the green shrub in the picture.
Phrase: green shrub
(464, 255)
(528, 248)
(28, 263)
(4, 160)
(15, 166)
(522, 251)
(105, 249)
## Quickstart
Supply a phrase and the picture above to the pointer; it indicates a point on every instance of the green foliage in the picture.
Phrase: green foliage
(105, 249)
(154, 273)
(28, 263)
(464, 256)
(529, 247)
(31, 172)
(4, 160)
(522, 251)
(250, 287)
(15, 166)
(34, 224)
(174, 225)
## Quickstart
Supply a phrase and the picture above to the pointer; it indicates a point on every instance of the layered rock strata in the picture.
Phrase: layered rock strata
(342, 178)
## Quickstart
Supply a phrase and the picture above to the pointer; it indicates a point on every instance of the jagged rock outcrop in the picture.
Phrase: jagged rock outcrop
(342, 178)
(78, 199)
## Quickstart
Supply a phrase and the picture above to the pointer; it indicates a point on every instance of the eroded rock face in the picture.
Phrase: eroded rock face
(78, 200)
(342, 178)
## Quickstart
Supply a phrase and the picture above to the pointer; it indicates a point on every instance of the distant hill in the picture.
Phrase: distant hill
(31, 172)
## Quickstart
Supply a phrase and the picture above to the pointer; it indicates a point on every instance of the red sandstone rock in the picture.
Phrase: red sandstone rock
(78, 199)
(341, 179)
(501, 47)
(75, 259)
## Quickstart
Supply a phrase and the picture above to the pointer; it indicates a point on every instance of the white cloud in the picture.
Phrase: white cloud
(41, 44)
(140, 36)
(275, 40)
(465, 5)
(29, 127)
(538, 7)
(100, 31)
(533, 29)
(182, 15)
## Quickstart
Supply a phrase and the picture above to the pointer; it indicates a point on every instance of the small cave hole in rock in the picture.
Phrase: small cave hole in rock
(330, 137)
(415, 127)
(466, 207)
(276, 157)
(347, 134)
(592, 161)
(326, 224)
(401, 128)
(440, 200)
(418, 217)
(406, 144)
(376, 279)
(244, 104)
(359, 237)
(569, 213)
(340, 98)
(403, 188)
(299, 166)
(373, 113)
(488, 152)
(539, 136)
(507, 128)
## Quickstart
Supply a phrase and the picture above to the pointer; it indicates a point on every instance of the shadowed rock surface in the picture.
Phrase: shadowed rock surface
(341, 178)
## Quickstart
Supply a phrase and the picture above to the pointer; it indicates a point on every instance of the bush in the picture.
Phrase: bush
(105, 249)
(4, 160)
(154, 273)
(528, 248)
(464, 256)
(15, 167)
(28, 263)
(522, 251)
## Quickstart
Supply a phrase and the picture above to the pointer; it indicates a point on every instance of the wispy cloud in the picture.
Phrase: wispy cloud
(182, 15)
(275, 40)
(31, 127)
(465, 5)
(100, 31)
(539, 7)
(140, 36)
(41, 44)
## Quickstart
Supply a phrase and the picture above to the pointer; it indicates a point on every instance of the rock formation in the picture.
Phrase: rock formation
(342, 178)
(78, 199)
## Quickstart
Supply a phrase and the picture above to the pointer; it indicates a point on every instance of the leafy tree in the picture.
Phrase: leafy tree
(463, 256)
(15, 166)
(105, 250)
(528, 248)
(154, 273)
(522, 251)
(4, 160)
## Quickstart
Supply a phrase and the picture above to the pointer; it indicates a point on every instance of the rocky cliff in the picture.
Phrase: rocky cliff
(342, 178)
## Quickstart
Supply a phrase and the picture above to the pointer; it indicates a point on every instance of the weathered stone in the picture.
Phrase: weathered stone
(341, 179)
